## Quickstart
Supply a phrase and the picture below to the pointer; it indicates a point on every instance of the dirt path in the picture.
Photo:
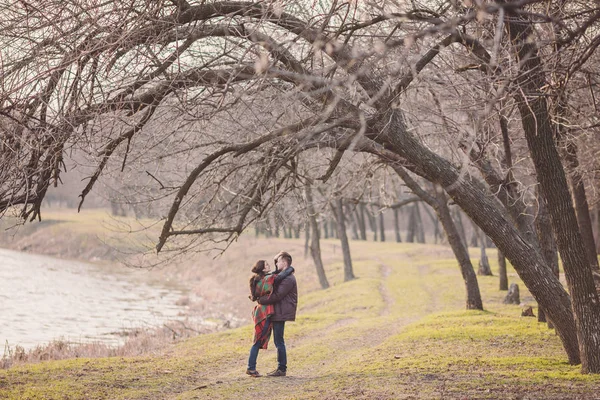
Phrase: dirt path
(388, 300)
(433, 303)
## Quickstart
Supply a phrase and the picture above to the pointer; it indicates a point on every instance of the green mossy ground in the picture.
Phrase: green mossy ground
(399, 331)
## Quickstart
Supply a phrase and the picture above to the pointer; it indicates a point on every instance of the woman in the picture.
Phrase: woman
(262, 283)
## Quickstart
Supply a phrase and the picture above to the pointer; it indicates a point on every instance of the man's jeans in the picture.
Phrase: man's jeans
(255, 348)
(278, 328)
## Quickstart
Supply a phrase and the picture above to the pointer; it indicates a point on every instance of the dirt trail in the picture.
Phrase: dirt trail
(388, 300)
(433, 303)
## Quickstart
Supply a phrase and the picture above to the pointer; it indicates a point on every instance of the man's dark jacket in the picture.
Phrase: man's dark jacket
(284, 299)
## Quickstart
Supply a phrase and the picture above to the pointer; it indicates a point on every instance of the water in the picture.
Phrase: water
(44, 298)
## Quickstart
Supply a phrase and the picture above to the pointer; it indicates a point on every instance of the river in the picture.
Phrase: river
(44, 298)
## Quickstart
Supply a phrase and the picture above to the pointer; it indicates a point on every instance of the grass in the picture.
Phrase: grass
(399, 331)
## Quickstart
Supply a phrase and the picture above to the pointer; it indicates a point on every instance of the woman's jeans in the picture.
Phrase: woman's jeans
(256, 347)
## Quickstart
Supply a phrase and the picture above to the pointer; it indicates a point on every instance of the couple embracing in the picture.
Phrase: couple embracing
(277, 296)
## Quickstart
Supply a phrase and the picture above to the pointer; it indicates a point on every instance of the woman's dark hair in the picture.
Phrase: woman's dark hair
(259, 267)
(259, 273)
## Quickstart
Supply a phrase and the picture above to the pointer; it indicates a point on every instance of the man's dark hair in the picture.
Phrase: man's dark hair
(285, 255)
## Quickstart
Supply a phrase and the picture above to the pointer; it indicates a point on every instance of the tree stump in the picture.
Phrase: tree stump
(527, 312)
(513, 295)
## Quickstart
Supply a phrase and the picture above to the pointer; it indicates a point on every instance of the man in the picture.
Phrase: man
(285, 301)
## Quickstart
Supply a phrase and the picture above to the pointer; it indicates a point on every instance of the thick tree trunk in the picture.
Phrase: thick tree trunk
(554, 188)
(397, 226)
(598, 227)
(460, 226)
(489, 214)
(341, 228)
(543, 228)
(315, 246)
(581, 205)
(502, 271)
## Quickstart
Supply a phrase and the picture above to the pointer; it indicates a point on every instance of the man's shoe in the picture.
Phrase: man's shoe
(252, 372)
(277, 372)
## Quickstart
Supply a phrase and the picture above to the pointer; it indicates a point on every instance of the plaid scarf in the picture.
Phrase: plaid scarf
(261, 312)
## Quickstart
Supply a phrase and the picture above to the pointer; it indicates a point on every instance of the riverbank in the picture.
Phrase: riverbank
(214, 289)
(399, 331)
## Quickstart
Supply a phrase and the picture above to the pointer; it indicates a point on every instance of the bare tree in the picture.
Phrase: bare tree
(261, 98)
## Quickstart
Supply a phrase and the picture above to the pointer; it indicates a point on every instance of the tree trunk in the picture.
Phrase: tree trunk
(333, 228)
(353, 222)
(440, 205)
(484, 263)
(460, 226)
(420, 228)
(341, 229)
(543, 228)
(598, 227)
(512, 297)
(474, 242)
(381, 227)
(539, 134)
(325, 228)
(360, 218)
(306, 238)
(581, 205)
(412, 226)
(372, 223)
(315, 247)
(502, 271)
(460, 252)
(436, 224)
(488, 213)
(397, 226)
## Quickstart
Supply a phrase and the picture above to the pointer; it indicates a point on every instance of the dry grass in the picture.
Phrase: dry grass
(137, 342)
